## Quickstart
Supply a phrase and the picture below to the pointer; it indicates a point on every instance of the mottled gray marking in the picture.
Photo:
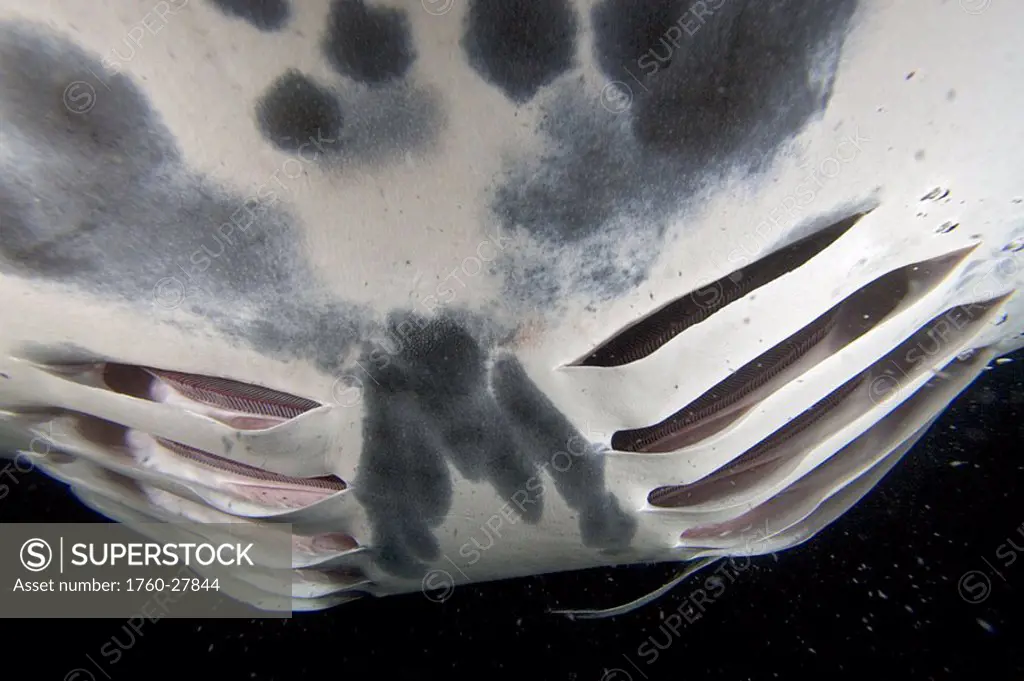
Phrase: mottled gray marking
(94, 195)
(593, 205)
(689, 98)
(58, 354)
(428, 403)
(383, 124)
(540, 432)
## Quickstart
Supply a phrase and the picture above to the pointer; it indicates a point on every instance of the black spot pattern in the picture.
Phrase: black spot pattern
(107, 206)
(266, 15)
(295, 110)
(369, 44)
(739, 79)
(520, 45)
(427, 403)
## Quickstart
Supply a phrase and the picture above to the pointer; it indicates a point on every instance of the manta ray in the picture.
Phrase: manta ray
(459, 291)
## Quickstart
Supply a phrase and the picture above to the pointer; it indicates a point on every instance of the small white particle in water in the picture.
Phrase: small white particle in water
(986, 626)
(909, 609)
(957, 464)
(882, 595)
(812, 651)
(920, 560)
(210, 649)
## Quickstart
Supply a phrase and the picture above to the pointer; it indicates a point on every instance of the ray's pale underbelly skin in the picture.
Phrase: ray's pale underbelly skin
(500, 289)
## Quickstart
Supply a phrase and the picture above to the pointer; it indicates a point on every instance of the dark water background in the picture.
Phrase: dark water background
(875, 594)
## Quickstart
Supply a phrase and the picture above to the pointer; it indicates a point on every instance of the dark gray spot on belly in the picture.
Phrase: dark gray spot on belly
(541, 432)
(97, 197)
(296, 111)
(429, 404)
(740, 80)
(520, 45)
(266, 15)
(368, 44)
(306, 327)
(711, 77)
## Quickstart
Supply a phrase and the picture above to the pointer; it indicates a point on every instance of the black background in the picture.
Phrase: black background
(875, 593)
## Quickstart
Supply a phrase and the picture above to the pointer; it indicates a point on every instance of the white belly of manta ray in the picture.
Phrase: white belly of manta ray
(488, 290)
